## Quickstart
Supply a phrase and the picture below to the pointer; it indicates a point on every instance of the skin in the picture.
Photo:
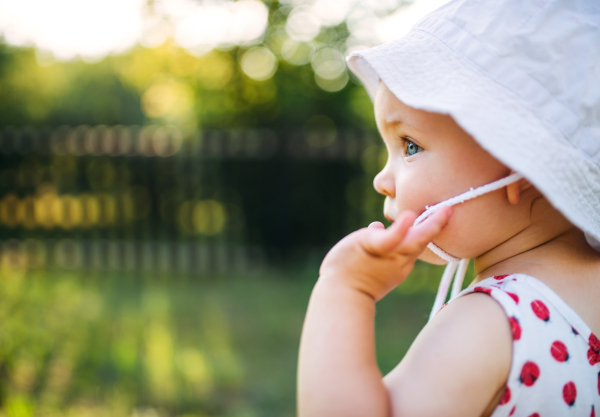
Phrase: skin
(459, 363)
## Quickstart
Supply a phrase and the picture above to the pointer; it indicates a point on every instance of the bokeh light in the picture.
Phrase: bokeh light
(72, 213)
(333, 85)
(202, 27)
(168, 98)
(167, 141)
(297, 53)
(9, 207)
(155, 32)
(259, 63)
(68, 28)
(91, 210)
(330, 69)
(108, 209)
(302, 25)
(206, 217)
(50, 210)
(216, 70)
(328, 63)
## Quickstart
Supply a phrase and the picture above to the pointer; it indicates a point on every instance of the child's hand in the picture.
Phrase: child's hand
(374, 259)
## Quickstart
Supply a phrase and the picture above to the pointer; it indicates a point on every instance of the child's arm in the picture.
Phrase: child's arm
(445, 372)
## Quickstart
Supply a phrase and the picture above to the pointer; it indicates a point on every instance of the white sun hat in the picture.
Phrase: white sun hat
(522, 77)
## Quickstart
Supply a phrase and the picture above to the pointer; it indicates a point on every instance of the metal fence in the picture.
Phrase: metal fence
(168, 141)
(155, 198)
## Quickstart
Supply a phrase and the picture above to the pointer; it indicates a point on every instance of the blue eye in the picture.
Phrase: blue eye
(412, 148)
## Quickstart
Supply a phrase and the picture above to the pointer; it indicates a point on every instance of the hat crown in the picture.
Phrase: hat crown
(548, 52)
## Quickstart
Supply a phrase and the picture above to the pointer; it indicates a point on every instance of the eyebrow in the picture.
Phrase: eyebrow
(394, 122)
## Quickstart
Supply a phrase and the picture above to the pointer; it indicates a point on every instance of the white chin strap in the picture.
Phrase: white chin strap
(456, 264)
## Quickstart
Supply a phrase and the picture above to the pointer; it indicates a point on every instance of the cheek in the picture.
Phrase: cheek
(476, 225)
(416, 189)
(481, 224)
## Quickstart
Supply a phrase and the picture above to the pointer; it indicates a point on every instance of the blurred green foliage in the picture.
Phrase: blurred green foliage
(110, 345)
(167, 85)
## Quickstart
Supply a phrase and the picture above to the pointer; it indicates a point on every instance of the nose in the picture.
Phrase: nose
(384, 182)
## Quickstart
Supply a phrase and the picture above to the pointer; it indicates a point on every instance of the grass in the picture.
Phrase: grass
(110, 345)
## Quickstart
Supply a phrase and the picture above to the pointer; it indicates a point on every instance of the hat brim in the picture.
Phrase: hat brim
(425, 73)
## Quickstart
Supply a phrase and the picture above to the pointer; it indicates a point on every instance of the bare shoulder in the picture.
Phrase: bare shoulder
(459, 363)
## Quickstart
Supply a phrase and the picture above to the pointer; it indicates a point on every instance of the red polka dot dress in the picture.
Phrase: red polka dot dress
(555, 368)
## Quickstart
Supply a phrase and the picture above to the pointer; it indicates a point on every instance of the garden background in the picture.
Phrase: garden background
(171, 174)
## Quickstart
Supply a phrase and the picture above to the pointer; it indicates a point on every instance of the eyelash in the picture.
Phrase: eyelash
(406, 141)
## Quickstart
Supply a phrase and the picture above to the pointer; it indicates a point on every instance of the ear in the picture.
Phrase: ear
(514, 190)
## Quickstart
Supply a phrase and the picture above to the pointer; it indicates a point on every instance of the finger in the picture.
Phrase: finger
(380, 242)
(418, 237)
(376, 225)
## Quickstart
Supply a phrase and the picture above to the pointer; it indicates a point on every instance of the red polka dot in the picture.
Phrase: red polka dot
(540, 310)
(488, 291)
(505, 397)
(512, 411)
(513, 296)
(593, 413)
(569, 393)
(593, 356)
(559, 351)
(499, 277)
(594, 342)
(515, 328)
(529, 373)
(535, 415)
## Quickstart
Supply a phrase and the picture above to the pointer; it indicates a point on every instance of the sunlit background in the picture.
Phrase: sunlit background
(171, 174)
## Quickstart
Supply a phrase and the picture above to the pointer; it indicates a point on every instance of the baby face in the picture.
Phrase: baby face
(431, 159)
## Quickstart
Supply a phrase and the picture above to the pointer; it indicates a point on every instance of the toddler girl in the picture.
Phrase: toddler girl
(500, 92)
